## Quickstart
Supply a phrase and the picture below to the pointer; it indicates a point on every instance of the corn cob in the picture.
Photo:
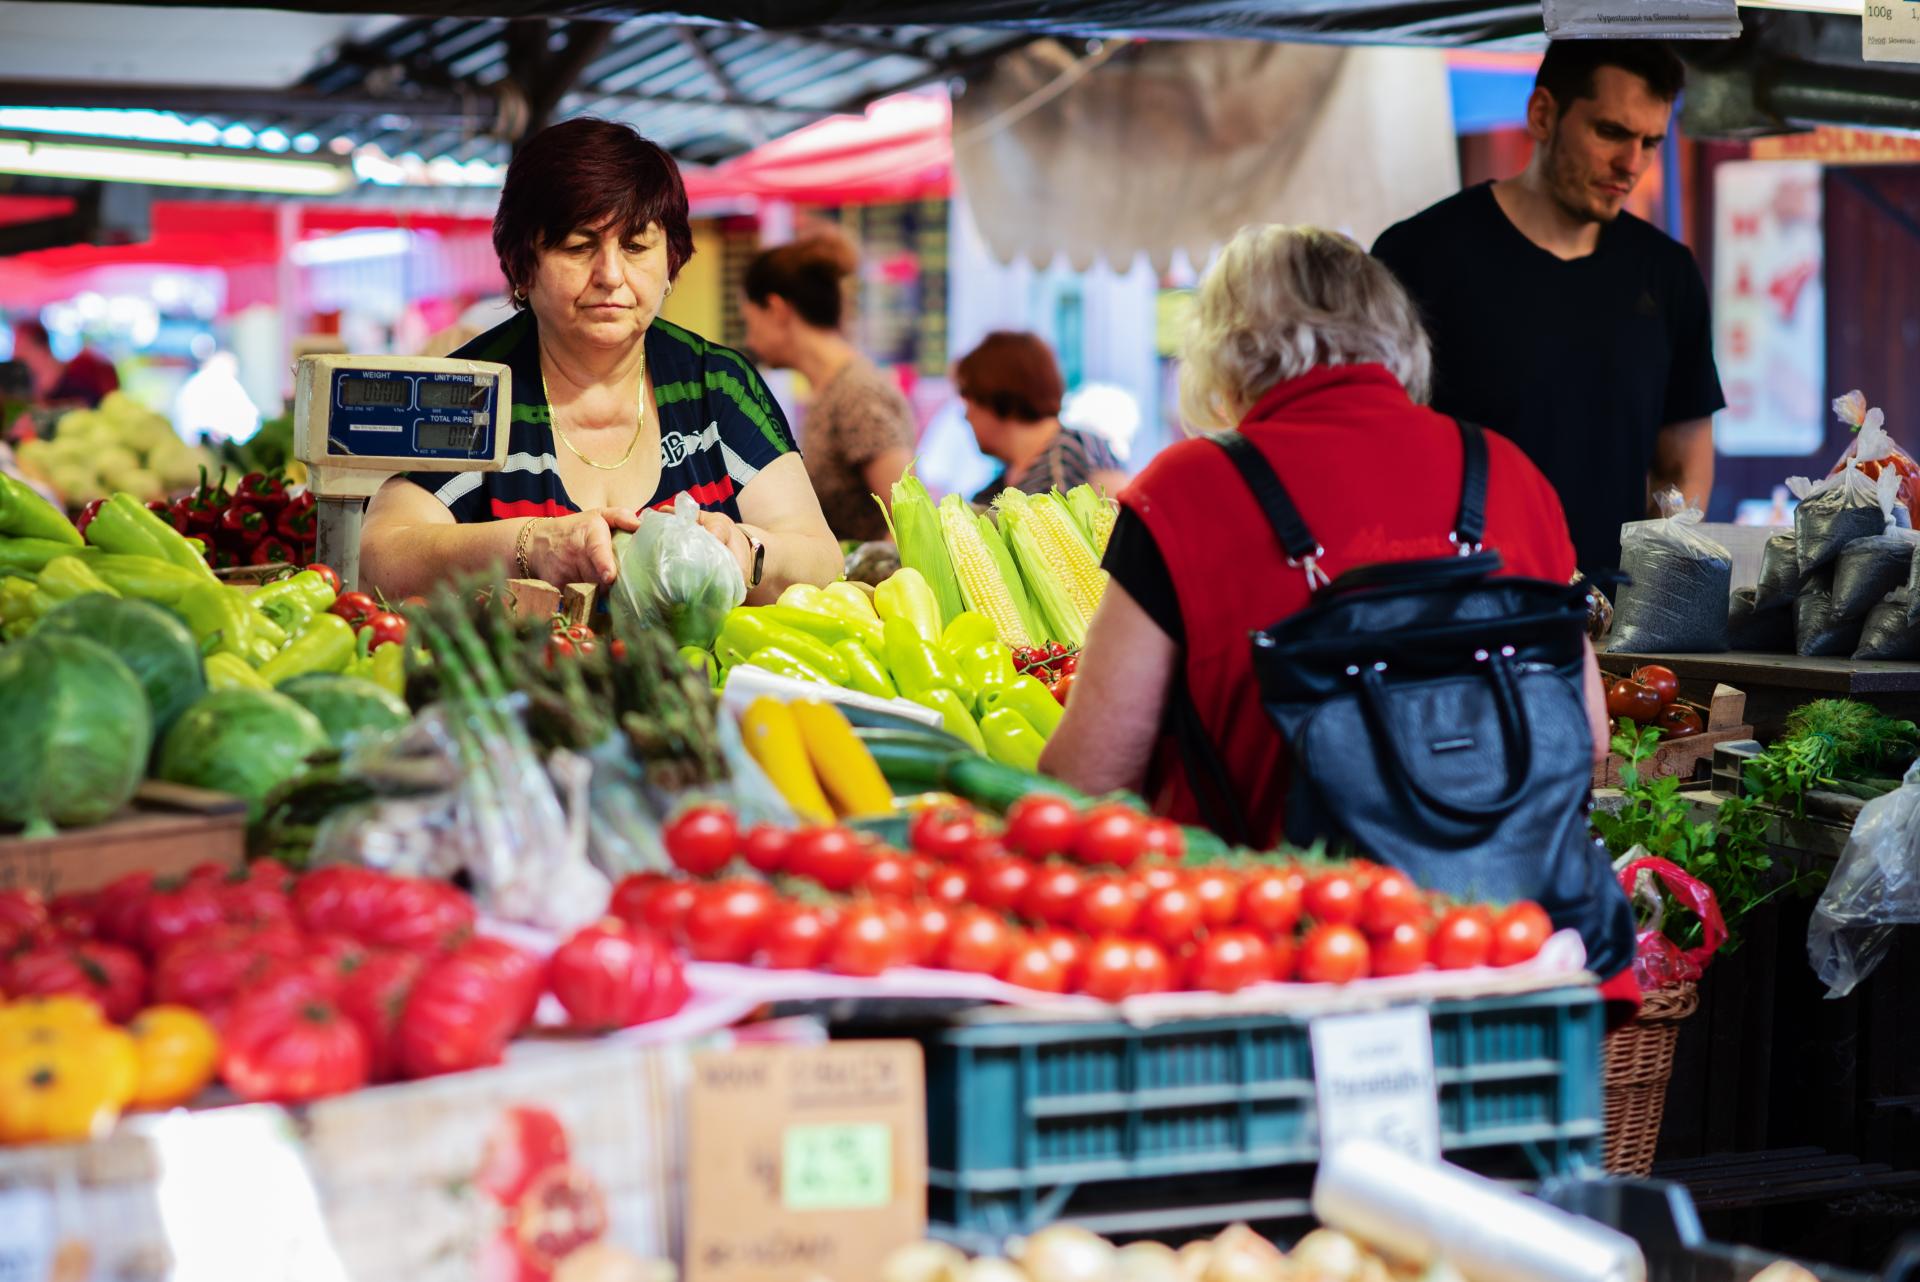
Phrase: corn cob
(916, 530)
(1095, 513)
(984, 584)
(1016, 585)
(1055, 561)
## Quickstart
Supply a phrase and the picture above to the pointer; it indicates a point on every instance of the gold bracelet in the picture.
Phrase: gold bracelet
(520, 546)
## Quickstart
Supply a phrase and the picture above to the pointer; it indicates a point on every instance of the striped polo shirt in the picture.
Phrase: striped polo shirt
(719, 426)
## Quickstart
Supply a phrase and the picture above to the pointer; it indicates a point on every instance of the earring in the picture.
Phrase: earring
(519, 295)
(669, 292)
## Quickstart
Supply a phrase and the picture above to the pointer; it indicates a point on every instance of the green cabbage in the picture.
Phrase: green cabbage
(244, 742)
(151, 640)
(76, 729)
(346, 706)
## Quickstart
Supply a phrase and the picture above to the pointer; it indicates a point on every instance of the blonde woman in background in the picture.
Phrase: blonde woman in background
(1310, 349)
(858, 433)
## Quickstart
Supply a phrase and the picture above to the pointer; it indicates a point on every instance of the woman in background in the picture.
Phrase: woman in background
(858, 434)
(1013, 389)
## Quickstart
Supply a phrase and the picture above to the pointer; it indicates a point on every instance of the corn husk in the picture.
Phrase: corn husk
(915, 527)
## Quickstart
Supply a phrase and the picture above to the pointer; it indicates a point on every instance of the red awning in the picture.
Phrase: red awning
(901, 149)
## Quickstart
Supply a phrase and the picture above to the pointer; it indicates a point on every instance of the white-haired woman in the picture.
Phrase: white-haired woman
(1311, 349)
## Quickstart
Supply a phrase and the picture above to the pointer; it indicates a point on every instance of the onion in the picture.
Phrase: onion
(1783, 1271)
(1195, 1259)
(1065, 1253)
(1328, 1255)
(1148, 1262)
(1241, 1255)
(988, 1269)
(923, 1262)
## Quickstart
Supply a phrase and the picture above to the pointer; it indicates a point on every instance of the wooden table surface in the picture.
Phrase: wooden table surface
(1776, 684)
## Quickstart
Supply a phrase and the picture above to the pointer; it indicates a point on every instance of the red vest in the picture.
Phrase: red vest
(1377, 478)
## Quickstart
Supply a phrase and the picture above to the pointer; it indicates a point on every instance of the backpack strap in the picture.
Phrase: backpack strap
(1470, 526)
(1289, 527)
(1206, 772)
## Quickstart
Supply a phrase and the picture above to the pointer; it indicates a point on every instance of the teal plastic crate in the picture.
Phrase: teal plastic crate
(1202, 1122)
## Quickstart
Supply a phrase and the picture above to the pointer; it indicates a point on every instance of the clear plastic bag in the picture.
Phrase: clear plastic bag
(1779, 573)
(1833, 513)
(1679, 582)
(1874, 888)
(1876, 452)
(1868, 569)
(1768, 631)
(674, 574)
(1913, 587)
(1890, 632)
(1816, 633)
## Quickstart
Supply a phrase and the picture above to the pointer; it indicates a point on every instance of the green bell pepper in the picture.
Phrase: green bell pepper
(826, 628)
(968, 630)
(124, 526)
(220, 620)
(1033, 701)
(907, 595)
(855, 617)
(749, 629)
(987, 669)
(231, 672)
(145, 577)
(27, 557)
(25, 515)
(784, 663)
(917, 666)
(307, 587)
(16, 601)
(1010, 740)
(327, 645)
(66, 577)
(864, 672)
(954, 717)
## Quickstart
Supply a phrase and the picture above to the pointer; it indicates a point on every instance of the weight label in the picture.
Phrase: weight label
(1890, 31)
(1373, 1079)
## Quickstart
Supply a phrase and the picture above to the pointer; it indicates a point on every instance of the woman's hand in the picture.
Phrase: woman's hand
(578, 548)
(733, 538)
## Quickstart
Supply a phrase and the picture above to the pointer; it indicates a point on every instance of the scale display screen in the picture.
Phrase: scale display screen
(357, 392)
(448, 436)
(463, 396)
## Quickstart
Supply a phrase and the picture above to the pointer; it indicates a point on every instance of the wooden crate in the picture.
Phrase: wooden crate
(168, 829)
(1726, 722)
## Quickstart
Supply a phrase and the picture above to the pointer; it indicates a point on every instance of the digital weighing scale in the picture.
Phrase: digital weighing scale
(359, 419)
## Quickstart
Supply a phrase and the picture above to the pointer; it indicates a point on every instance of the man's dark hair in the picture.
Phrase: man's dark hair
(1567, 71)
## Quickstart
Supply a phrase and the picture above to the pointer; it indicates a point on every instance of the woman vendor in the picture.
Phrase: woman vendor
(614, 409)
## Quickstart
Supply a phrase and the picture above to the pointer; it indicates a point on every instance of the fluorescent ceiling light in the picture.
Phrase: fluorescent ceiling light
(171, 167)
(1853, 8)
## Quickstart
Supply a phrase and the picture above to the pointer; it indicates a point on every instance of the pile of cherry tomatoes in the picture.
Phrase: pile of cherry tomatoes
(1058, 900)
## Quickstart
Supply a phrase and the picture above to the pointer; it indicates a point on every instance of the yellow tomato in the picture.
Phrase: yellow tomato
(67, 1088)
(178, 1052)
(38, 1020)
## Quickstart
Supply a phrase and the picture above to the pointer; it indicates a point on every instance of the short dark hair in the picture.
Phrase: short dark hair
(1568, 70)
(587, 174)
(810, 273)
(1014, 375)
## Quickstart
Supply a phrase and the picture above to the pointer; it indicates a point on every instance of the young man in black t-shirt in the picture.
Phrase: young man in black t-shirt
(1564, 323)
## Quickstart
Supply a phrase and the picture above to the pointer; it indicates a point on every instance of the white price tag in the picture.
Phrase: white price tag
(1641, 19)
(26, 1235)
(1890, 31)
(1373, 1079)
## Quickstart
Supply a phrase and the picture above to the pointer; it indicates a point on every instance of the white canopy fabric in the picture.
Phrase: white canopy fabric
(1176, 146)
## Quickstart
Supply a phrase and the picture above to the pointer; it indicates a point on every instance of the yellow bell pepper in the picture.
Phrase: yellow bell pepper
(852, 779)
(906, 595)
(773, 738)
(854, 602)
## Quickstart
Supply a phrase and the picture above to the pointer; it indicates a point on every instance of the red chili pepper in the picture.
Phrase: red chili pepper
(245, 525)
(87, 514)
(272, 549)
(263, 491)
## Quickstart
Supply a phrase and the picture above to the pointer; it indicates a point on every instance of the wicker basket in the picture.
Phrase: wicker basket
(1639, 1061)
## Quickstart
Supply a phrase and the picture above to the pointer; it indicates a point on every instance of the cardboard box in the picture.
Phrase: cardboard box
(167, 829)
(804, 1162)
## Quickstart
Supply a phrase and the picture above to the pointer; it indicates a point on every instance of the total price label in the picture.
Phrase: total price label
(1890, 31)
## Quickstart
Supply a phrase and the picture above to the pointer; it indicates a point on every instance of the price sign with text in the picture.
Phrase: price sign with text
(1373, 1079)
(1890, 31)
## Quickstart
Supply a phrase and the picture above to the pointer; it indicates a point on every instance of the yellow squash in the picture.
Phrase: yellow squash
(773, 737)
(853, 781)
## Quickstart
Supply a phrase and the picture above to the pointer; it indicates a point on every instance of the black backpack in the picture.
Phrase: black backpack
(1434, 720)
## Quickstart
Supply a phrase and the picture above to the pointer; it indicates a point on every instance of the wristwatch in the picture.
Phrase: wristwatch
(759, 560)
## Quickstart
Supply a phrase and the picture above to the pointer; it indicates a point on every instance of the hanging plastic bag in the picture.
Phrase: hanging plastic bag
(1913, 588)
(1868, 569)
(1779, 573)
(1678, 584)
(1889, 633)
(1817, 634)
(1877, 452)
(674, 574)
(1768, 631)
(1874, 888)
(1650, 882)
(1833, 513)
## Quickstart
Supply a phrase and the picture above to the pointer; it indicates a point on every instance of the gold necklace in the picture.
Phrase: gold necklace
(640, 420)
